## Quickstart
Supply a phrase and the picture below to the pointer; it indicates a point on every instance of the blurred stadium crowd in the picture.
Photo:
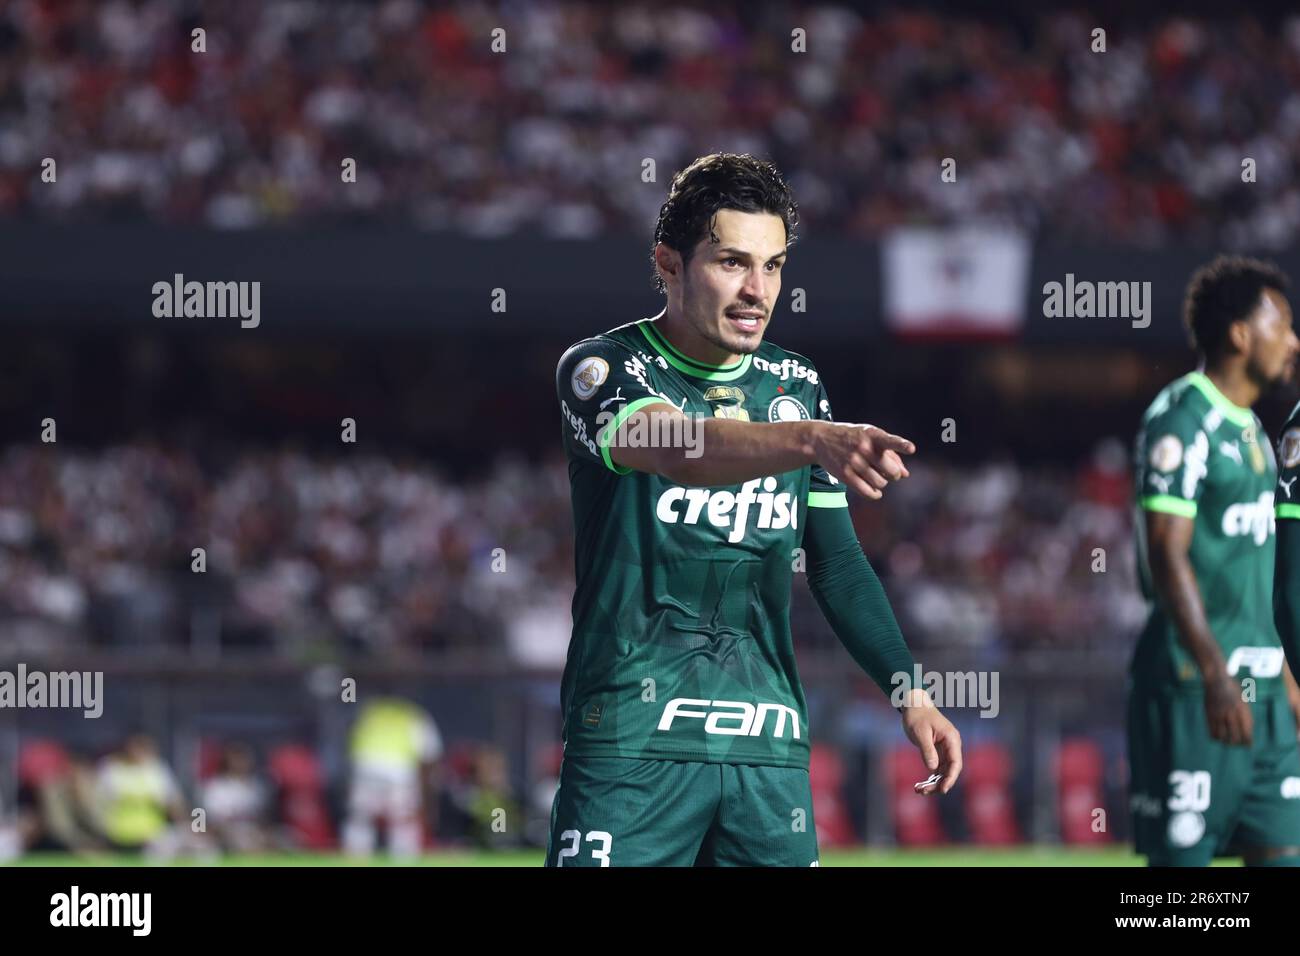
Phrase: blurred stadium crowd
(402, 793)
(373, 555)
(1139, 144)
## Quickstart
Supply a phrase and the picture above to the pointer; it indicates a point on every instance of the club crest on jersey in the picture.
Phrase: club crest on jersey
(1257, 459)
(1251, 437)
(1167, 453)
(588, 375)
(1289, 449)
(786, 409)
(727, 401)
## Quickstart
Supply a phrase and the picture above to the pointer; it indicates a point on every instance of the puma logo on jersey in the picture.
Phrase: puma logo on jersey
(1160, 482)
(1230, 450)
(1254, 519)
(1286, 486)
(617, 397)
(725, 509)
(742, 719)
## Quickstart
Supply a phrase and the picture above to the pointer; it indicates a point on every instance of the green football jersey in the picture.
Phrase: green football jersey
(1200, 456)
(1286, 499)
(681, 645)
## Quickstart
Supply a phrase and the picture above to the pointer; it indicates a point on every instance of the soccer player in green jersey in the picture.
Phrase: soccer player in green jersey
(705, 468)
(1212, 705)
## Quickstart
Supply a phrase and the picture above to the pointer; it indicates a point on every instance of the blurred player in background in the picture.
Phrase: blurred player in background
(1212, 705)
(139, 801)
(1286, 568)
(486, 801)
(685, 727)
(56, 799)
(394, 747)
(236, 803)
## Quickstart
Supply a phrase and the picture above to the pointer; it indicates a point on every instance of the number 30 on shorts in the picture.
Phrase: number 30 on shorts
(600, 852)
(1191, 790)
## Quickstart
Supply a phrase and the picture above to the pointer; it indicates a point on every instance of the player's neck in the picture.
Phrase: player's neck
(1234, 384)
(685, 339)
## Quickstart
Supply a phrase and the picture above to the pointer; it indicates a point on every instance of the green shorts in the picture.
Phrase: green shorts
(1193, 798)
(621, 811)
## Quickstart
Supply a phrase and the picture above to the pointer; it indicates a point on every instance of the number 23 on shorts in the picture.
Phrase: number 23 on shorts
(599, 852)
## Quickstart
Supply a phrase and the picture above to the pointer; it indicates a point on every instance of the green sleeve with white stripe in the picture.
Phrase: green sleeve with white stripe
(1171, 462)
(599, 383)
(824, 489)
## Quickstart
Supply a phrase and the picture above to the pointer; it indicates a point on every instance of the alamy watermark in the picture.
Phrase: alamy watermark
(684, 431)
(208, 300)
(53, 689)
(1101, 300)
(948, 689)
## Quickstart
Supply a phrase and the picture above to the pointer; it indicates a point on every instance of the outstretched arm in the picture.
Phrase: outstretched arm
(857, 609)
(728, 452)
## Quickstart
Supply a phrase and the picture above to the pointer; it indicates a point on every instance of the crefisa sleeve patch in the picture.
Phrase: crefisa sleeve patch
(589, 375)
(1167, 453)
(1289, 449)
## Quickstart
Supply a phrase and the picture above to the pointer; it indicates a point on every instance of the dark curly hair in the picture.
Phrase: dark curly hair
(1224, 291)
(719, 181)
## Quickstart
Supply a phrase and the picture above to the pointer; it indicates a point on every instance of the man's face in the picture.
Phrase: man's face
(730, 287)
(1271, 357)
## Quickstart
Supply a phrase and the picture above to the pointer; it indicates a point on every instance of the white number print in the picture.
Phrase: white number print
(598, 853)
(1191, 790)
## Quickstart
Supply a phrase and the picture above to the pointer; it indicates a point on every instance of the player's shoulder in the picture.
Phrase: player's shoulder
(775, 360)
(616, 344)
(1182, 405)
(613, 340)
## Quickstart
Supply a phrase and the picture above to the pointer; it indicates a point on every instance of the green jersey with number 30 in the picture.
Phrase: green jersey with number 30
(1200, 456)
(681, 644)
